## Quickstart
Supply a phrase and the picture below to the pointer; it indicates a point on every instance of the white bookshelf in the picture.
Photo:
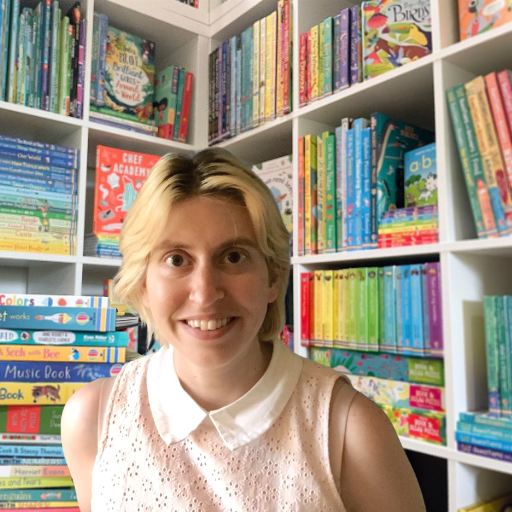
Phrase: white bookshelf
(415, 93)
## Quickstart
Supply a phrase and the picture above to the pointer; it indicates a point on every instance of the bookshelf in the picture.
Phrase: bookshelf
(414, 93)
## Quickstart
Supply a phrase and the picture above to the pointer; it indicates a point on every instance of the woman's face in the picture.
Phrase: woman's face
(207, 283)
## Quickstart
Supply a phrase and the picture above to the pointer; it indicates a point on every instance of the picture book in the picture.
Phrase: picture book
(41, 495)
(129, 74)
(58, 354)
(34, 482)
(394, 34)
(120, 175)
(42, 393)
(11, 299)
(479, 16)
(86, 339)
(31, 419)
(420, 176)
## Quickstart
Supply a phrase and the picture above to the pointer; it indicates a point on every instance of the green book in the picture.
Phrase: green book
(12, 75)
(54, 57)
(64, 61)
(20, 86)
(329, 142)
(327, 57)
(179, 102)
(362, 309)
(491, 351)
(46, 418)
(504, 354)
(352, 308)
(320, 165)
(321, 31)
(373, 316)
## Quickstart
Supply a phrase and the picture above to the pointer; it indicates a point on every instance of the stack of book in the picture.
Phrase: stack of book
(350, 178)
(119, 177)
(481, 112)
(50, 347)
(42, 56)
(409, 389)
(250, 76)
(394, 309)
(122, 99)
(361, 42)
(38, 196)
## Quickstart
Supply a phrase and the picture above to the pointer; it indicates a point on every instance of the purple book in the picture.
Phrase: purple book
(344, 49)
(336, 47)
(434, 309)
(485, 452)
(81, 70)
(355, 45)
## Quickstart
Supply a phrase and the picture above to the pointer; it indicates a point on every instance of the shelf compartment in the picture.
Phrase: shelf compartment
(95, 272)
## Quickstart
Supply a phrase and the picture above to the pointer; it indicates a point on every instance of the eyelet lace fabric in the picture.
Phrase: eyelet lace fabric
(286, 469)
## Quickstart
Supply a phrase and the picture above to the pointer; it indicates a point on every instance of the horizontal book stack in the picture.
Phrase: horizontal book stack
(42, 56)
(277, 174)
(350, 178)
(50, 346)
(122, 99)
(119, 177)
(173, 97)
(361, 42)
(481, 112)
(38, 196)
(250, 76)
(394, 376)
(395, 309)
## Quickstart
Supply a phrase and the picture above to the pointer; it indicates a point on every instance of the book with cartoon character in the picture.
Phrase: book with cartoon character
(421, 176)
(395, 32)
(479, 16)
(119, 177)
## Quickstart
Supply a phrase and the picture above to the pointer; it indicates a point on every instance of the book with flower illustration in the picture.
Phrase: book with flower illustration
(394, 34)
(120, 175)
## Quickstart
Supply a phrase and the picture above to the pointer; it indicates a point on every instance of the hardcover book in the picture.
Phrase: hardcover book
(421, 176)
(477, 17)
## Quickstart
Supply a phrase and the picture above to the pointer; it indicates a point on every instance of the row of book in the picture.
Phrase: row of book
(361, 42)
(408, 389)
(350, 178)
(42, 56)
(38, 196)
(394, 309)
(250, 80)
(50, 347)
(126, 93)
(481, 113)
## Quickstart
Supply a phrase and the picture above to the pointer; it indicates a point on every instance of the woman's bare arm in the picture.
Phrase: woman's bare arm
(376, 475)
(80, 429)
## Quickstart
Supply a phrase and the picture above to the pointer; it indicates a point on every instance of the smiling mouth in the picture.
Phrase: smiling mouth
(208, 325)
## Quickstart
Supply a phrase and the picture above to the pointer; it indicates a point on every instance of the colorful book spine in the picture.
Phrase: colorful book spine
(505, 83)
(490, 453)
(355, 45)
(34, 482)
(366, 192)
(345, 49)
(416, 307)
(314, 63)
(263, 67)
(318, 332)
(350, 189)
(21, 450)
(483, 441)
(303, 69)
(51, 353)
(12, 299)
(390, 340)
(352, 308)
(485, 419)
(270, 68)
(255, 98)
(9, 471)
(330, 196)
(305, 316)
(327, 308)
(301, 205)
(359, 126)
(405, 346)
(39, 317)
(313, 171)
(362, 309)
(320, 71)
(492, 354)
(321, 192)
(185, 108)
(336, 53)
(42, 393)
(24, 461)
(287, 57)
(327, 44)
(31, 419)
(484, 430)
(434, 309)
(38, 495)
(12, 75)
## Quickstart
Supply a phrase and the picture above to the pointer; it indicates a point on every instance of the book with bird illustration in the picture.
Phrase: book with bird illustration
(395, 32)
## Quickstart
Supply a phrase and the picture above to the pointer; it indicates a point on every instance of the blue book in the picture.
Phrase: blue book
(38, 495)
(390, 340)
(426, 317)
(5, 21)
(32, 371)
(14, 200)
(399, 311)
(483, 441)
(366, 211)
(22, 461)
(485, 431)
(351, 188)
(239, 83)
(27, 450)
(34, 166)
(483, 418)
(40, 148)
(233, 84)
(59, 319)
(355, 45)
(417, 325)
(46, 42)
(83, 339)
(42, 185)
(30, 156)
(359, 125)
(24, 193)
(224, 88)
(406, 345)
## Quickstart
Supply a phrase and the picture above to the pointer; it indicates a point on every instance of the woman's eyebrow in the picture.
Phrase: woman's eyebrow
(167, 245)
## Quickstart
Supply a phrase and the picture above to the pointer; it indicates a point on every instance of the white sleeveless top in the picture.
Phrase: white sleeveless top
(268, 451)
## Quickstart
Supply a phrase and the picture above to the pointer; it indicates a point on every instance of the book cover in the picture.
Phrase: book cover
(330, 192)
(318, 331)
(394, 34)
(314, 63)
(51, 353)
(479, 17)
(359, 158)
(406, 320)
(165, 101)
(349, 209)
(373, 309)
(362, 309)
(129, 74)
(42, 393)
(119, 176)
(416, 307)
(420, 176)
(31, 419)
(321, 191)
(352, 300)
(390, 340)
(356, 71)
(34, 482)
(327, 308)
(327, 44)
(305, 311)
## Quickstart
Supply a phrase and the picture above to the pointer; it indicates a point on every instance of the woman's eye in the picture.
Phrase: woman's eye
(235, 257)
(176, 260)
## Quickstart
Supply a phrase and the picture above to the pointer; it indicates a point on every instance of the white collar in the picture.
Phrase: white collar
(176, 414)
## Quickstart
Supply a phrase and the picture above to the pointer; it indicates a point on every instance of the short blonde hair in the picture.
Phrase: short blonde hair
(213, 173)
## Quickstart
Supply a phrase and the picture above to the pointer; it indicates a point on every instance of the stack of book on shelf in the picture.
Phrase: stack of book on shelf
(250, 76)
(394, 309)
(50, 346)
(122, 78)
(277, 175)
(42, 56)
(481, 112)
(361, 42)
(501, 504)
(490, 433)
(38, 196)
(119, 177)
(478, 17)
(349, 179)
(408, 389)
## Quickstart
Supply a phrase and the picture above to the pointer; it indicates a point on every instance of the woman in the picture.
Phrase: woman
(224, 417)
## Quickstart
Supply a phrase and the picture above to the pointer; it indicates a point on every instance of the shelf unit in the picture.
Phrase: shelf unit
(415, 93)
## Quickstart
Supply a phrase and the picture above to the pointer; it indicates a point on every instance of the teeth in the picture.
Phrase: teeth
(208, 325)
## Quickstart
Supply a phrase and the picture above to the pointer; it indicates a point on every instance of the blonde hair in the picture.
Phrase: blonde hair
(213, 173)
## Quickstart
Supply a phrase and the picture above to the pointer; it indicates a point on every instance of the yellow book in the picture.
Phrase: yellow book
(256, 75)
(336, 303)
(413, 230)
(345, 308)
(280, 65)
(314, 63)
(502, 504)
(328, 312)
(39, 504)
(35, 247)
(52, 353)
(34, 482)
(263, 67)
(40, 393)
(320, 51)
(318, 333)
(307, 194)
(270, 68)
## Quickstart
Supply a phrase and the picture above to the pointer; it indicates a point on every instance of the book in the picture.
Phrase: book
(478, 18)
(34, 482)
(166, 87)
(119, 176)
(39, 495)
(501, 504)
(11, 299)
(129, 74)
(42, 393)
(394, 34)
(21, 450)
(31, 419)
(420, 174)
(50, 353)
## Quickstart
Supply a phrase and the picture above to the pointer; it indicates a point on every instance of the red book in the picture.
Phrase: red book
(303, 69)
(185, 109)
(300, 236)
(505, 81)
(500, 122)
(306, 307)
(286, 57)
(309, 80)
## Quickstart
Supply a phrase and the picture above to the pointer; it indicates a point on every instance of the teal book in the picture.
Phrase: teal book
(64, 68)
(492, 354)
(5, 21)
(327, 57)
(331, 239)
(12, 74)
(54, 57)
(179, 102)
